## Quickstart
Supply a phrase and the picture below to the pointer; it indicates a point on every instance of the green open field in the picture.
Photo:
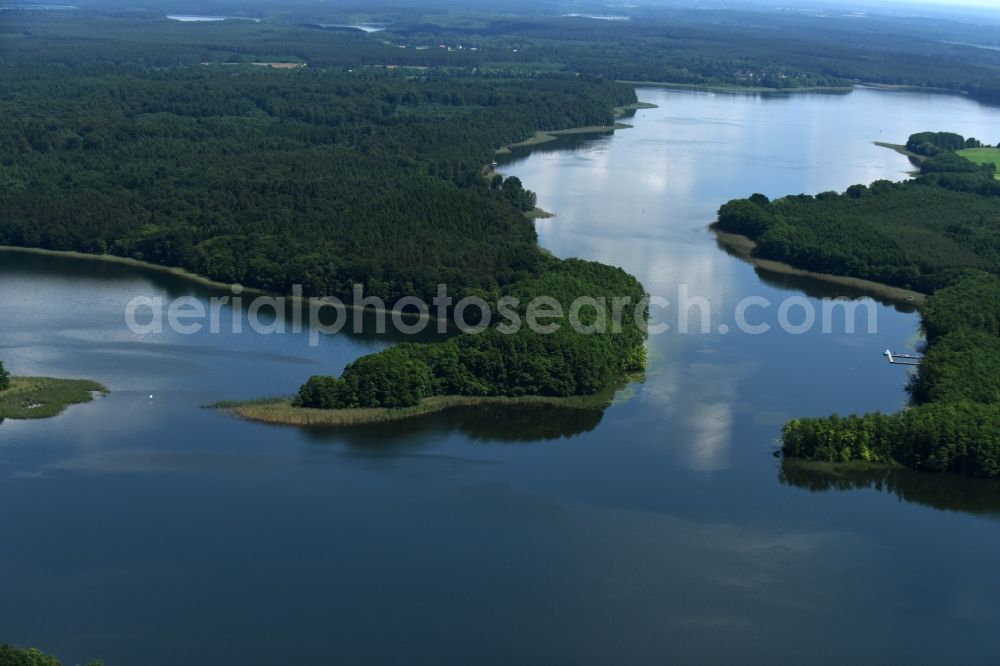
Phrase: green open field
(983, 156)
(42, 397)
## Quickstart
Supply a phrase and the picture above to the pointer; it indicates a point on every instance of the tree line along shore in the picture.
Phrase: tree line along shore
(123, 143)
(257, 176)
(937, 234)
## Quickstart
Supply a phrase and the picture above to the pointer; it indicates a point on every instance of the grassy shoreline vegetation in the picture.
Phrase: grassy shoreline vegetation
(44, 397)
(936, 233)
(126, 261)
(536, 213)
(629, 108)
(547, 137)
(743, 247)
(282, 410)
(573, 358)
(901, 149)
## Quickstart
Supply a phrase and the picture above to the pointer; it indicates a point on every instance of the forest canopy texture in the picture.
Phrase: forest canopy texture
(919, 234)
(939, 233)
(274, 177)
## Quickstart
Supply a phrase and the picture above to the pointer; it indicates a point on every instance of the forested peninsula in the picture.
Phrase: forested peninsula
(263, 177)
(273, 178)
(938, 233)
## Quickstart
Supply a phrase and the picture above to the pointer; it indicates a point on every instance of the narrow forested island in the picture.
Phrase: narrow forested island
(42, 397)
(939, 234)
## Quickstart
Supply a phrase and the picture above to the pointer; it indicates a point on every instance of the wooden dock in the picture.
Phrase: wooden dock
(902, 359)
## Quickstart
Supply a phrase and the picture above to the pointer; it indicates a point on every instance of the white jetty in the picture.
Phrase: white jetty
(901, 359)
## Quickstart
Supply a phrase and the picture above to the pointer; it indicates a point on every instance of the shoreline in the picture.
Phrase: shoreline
(127, 261)
(280, 412)
(537, 213)
(548, 136)
(201, 279)
(761, 90)
(636, 106)
(903, 87)
(899, 148)
(33, 398)
(914, 158)
(732, 89)
(742, 248)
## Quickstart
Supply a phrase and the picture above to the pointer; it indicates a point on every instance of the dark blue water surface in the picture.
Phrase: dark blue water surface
(151, 531)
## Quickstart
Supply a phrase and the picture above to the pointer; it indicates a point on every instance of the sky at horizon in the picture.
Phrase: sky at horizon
(946, 4)
(978, 4)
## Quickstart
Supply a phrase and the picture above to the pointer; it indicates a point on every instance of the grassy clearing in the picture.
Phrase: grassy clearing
(279, 411)
(43, 397)
(983, 156)
(978, 155)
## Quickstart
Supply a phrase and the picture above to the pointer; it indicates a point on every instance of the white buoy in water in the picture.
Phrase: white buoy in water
(150, 396)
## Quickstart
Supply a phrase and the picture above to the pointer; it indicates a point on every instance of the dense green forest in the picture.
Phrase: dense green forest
(12, 656)
(954, 425)
(918, 234)
(272, 178)
(929, 144)
(4, 378)
(125, 132)
(937, 233)
(322, 178)
(753, 48)
(496, 363)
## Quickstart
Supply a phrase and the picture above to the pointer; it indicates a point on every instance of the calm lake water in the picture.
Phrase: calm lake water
(156, 532)
(198, 18)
